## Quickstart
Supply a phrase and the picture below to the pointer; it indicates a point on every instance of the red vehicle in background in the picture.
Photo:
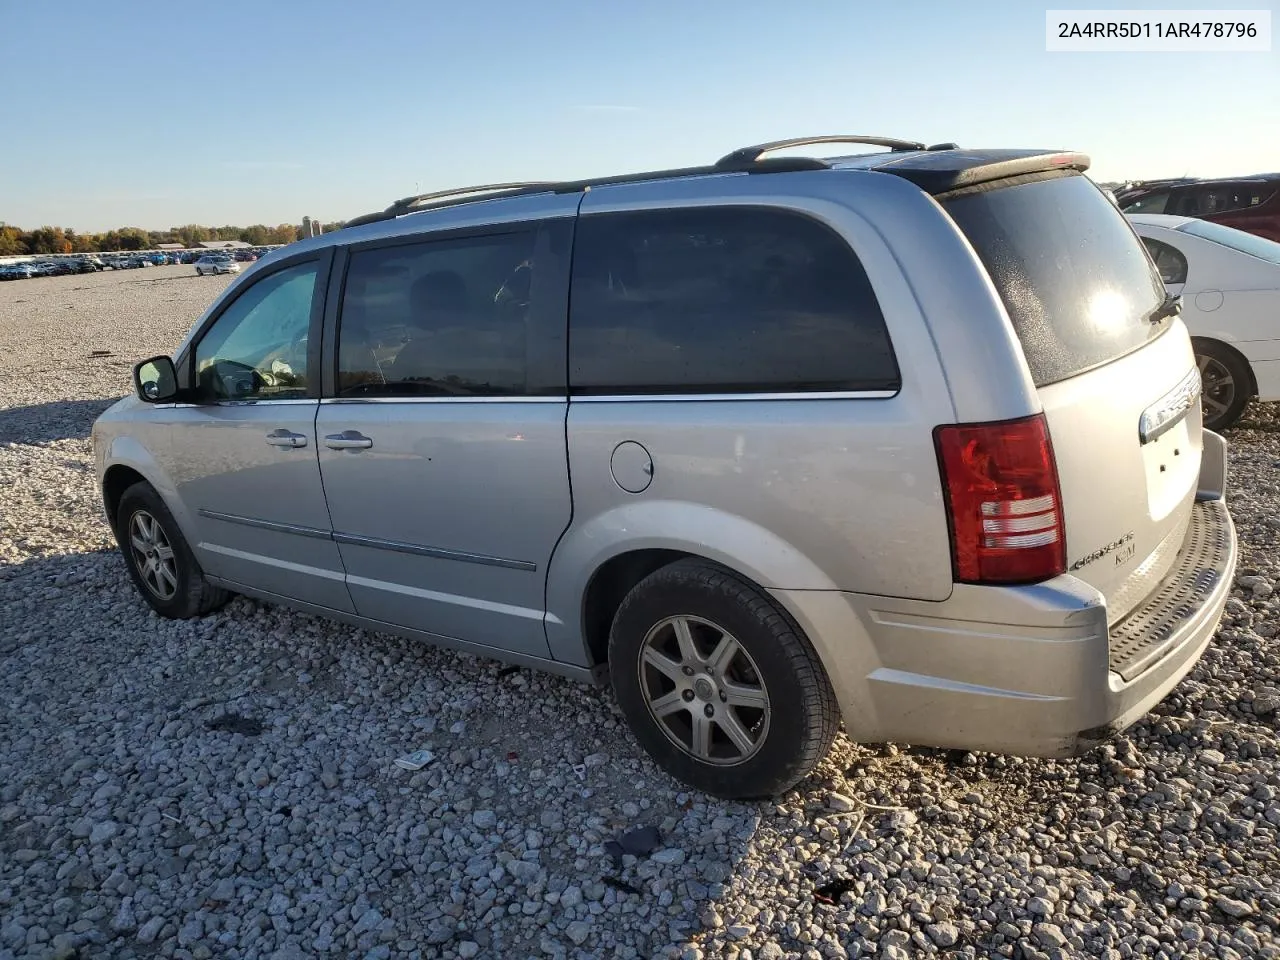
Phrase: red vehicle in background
(1251, 204)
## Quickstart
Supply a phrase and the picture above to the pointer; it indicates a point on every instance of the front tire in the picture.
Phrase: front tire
(162, 566)
(718, 684)
(1226, 384)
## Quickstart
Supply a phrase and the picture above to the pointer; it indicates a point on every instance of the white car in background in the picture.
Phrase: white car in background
(215, 265)
(1229, 281)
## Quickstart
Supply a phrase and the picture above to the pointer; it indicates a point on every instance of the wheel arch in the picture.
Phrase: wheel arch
(607, 587)
(598, 562)
(118, 478)
(126, 462)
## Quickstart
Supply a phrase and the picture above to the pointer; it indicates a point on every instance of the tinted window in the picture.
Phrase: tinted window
(257, 348)
(1254, 246)
(1075, 280)
(1169, 261)
(438, 318)
(1257, 196)
(1187, 202)
(1226, 197)
(1150, 203)
(721, 300)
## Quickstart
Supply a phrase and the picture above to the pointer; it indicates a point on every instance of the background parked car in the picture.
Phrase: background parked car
(215, 264)
(1230, 286)
(1251, 204)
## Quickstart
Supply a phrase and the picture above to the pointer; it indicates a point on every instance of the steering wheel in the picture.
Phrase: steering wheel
(234, 380)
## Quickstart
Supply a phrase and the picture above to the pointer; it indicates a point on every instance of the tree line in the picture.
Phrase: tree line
(15, 241)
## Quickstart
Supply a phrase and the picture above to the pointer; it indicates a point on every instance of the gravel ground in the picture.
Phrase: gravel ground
(225, 787)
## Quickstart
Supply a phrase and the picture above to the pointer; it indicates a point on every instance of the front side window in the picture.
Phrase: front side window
(1168, 260)
(721, 300)
(257, 348)
(1148, 203)
(439, 318)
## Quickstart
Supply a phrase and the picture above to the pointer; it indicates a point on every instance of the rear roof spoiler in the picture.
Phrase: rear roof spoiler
(946, 170)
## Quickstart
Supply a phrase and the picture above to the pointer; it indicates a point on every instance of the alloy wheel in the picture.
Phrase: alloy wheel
(1217, 386)
(153, 555)
(704, 690)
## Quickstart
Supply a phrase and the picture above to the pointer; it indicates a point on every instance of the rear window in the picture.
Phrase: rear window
(1075, 280)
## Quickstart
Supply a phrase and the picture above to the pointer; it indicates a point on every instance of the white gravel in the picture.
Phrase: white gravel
(225, 787)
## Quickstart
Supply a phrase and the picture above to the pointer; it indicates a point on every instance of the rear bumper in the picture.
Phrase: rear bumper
(1032, 671)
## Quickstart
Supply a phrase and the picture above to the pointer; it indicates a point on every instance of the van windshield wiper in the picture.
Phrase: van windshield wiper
(1171, 307)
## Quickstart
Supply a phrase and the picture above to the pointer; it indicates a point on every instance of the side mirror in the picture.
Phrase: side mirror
(156, 380)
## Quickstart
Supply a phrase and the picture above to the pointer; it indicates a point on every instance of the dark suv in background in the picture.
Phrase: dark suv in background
(1251, 204)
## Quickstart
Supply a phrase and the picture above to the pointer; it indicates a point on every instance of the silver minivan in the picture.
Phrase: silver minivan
(908, 440)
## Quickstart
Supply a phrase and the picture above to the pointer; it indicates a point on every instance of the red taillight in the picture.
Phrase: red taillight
(1003, 500)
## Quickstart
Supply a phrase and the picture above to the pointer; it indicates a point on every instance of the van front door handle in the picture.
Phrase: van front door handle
(348, 440)
(286, 438)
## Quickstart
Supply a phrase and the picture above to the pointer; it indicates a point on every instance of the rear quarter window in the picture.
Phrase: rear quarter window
(722, 300)
(1168, 260)
(1076, 281)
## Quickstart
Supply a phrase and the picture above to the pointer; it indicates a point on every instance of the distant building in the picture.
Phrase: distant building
(310, 228)
(170, 246)
(223, 245)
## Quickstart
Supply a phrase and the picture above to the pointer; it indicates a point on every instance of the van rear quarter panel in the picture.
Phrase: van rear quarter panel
(797, 494)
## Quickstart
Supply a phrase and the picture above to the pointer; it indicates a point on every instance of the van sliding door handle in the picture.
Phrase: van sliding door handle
(348, 440)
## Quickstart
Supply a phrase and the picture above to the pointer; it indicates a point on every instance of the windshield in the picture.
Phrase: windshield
(1076, 281)
(1259, 247)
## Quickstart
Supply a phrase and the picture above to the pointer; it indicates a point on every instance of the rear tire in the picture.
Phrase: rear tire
(693, 641)
(1226, 384)
(162, 566)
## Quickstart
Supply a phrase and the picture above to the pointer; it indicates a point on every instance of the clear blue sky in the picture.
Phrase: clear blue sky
(162, 113)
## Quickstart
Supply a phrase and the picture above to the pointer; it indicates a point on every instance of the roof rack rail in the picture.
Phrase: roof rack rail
(769, 165)
(448, 198)
(455, 195)
(409, 202)
(745, 155)
(744, 160)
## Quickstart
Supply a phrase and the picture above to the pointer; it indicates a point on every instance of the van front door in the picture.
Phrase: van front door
(244, 459)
